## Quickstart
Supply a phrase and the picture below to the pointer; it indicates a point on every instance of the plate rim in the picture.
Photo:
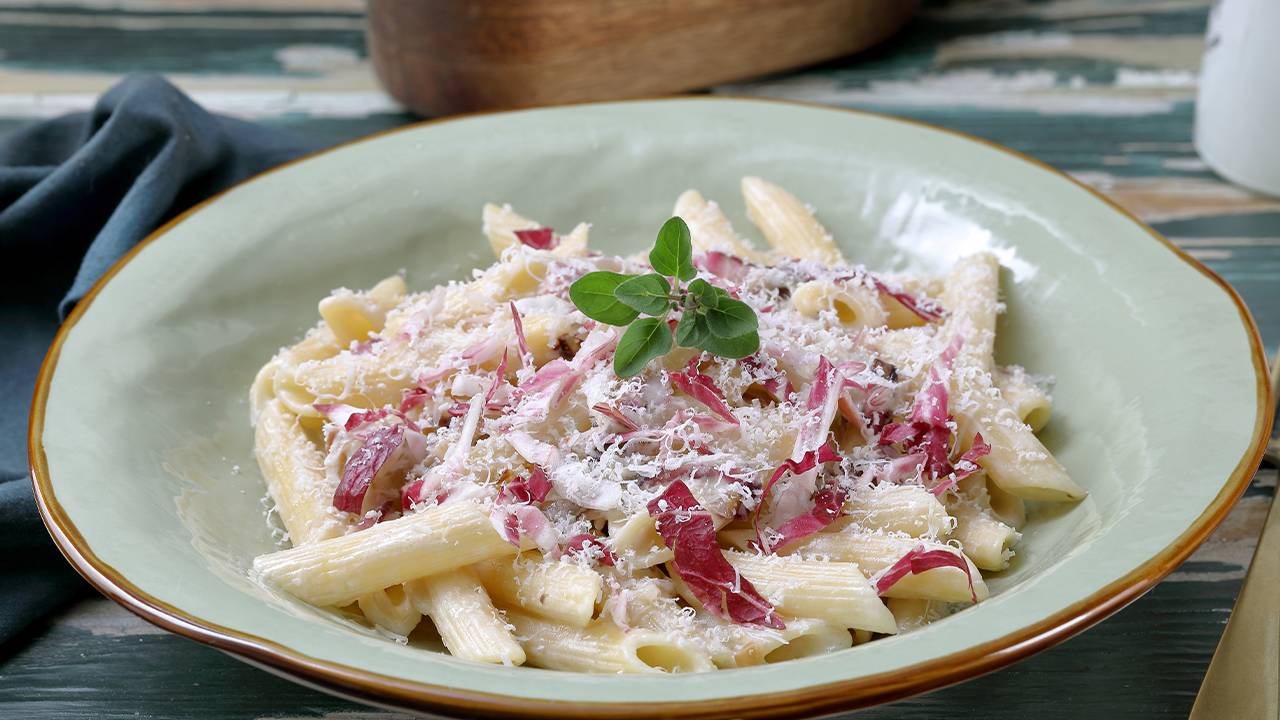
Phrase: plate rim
(384, 690)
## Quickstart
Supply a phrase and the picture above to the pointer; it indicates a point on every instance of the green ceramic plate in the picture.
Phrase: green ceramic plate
(141, 445)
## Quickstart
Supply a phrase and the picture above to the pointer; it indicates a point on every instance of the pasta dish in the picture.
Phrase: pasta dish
(707, 457)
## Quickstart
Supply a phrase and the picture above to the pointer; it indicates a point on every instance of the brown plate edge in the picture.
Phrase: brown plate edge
(844, 695)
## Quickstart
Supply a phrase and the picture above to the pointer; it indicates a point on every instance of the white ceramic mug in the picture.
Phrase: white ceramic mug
(1238, 111)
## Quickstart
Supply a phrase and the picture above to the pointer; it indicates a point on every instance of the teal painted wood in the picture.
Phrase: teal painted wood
(1113, 108)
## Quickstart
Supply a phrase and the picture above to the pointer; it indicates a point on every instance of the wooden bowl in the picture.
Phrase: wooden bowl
(447, 56)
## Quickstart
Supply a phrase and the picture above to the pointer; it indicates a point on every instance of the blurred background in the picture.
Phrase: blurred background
(1102, 89)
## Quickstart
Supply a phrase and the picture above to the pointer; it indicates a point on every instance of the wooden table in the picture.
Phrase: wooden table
(1103, 90)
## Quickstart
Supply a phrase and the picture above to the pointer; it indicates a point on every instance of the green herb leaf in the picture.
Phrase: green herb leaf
(736, 347)
(705, 293)
(593, 294)
(731, 318)
(650, 294)
(672, 254)
(644, 340)
(692, 330)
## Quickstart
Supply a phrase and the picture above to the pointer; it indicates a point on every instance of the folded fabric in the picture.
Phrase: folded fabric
(76, 193)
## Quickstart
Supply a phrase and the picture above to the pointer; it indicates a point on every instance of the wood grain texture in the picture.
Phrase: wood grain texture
(450, 56)
(1099, 88)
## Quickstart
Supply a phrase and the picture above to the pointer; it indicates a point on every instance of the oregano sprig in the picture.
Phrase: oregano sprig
(710, 318)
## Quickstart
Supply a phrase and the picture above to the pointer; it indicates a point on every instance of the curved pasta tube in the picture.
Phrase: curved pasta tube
(293, 468)
(500, 222)
(854, 306)
(986, 540)
(907, 509)
(604, 648)
(1018, 462)
(272, 380)
(390, 609)
(565, 592)
(1031, 404)
(971, 298)
(806, 637)
(352, 317)
(362, 380)
(338, 570)
(1006, 507)
(910, 613)
(262, 390)
(636, 539)
(833, 591)
(872, 552)
(468, 623)
(787, 224)
(711, 230)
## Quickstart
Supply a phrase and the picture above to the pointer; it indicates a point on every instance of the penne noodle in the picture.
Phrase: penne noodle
(467, 621)
(1031, 404)
(907, 509)
(294, 470)
(561, 591)
(854, 307)
(833, 591)
(604, 648)
(339, 570)
(787, 224)
(390, 609)
(710, 229)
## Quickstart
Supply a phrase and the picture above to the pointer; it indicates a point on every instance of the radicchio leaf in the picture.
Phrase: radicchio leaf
(515, 511)
(822, 402)
(499, 377)
(357, 475)
(926, 310)
(687, 529)
(965, 466)
(591, 546)
(919, 560)
(532, 489)
(543, 238)
(347, 417)
(525, 355)
(828, 505)
(692, 382)
(532, 449)
(809, 461)
(366, 347)
(616, 415)
(775, 383)
(412, 398)
(730, 267)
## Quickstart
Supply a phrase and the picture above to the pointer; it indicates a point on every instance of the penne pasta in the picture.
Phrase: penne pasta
(390, 609)
(468, 623)
(710, 229)
(604, 648)
(907, 509)
(986, 540)
(787, 224)
(339, 570)
(1029, 402)
(854, 307)
(874, 552)
(294, 470)
(565, 592)
(833, 591)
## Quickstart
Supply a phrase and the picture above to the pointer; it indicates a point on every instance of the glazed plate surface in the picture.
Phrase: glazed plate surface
(142, 450)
